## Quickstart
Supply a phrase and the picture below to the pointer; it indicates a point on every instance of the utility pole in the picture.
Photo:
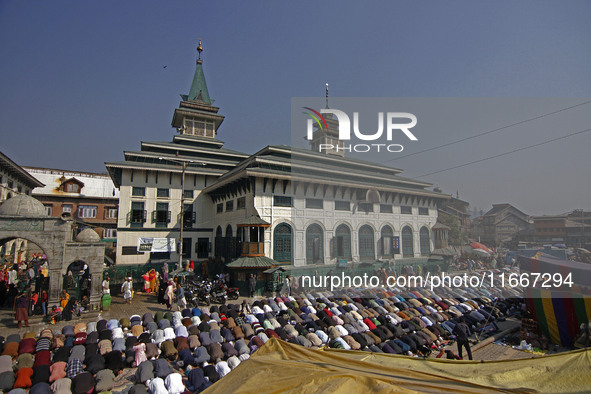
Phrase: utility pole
(182, 216)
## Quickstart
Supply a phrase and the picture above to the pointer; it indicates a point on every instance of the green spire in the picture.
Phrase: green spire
(198, 90)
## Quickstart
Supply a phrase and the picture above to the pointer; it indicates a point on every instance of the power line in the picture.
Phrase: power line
(487, 132)
(506, 153)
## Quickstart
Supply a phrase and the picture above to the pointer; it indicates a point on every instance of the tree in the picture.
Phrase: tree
(456, 235)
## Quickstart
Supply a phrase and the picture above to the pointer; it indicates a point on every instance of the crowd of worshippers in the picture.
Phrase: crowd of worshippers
(188, 350)
(29, 276)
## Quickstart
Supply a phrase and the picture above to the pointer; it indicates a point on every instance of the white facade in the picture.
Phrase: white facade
(300, 218)
(129, 232)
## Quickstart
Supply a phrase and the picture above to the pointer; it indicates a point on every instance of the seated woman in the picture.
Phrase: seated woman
(64, 298)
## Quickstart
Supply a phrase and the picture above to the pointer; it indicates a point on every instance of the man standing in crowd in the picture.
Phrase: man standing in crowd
(252, 284)
(286, 288)
(180, 297)
(462, 332)
(127, 289)
(12, 284)
(21, 305)
(106, 286)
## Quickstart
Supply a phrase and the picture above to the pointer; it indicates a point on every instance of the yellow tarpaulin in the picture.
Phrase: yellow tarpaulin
(280, 367)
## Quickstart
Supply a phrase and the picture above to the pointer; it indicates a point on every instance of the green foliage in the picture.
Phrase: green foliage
(456, 236)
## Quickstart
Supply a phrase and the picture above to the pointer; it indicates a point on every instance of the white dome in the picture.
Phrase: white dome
(23, 206)
(88, 235)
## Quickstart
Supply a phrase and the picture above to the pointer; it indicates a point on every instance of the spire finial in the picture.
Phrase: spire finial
(327, 95)
(199, 49)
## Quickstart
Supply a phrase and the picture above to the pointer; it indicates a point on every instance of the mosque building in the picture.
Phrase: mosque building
(282, 204)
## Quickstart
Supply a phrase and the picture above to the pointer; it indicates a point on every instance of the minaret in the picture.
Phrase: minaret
(196, 116)
(329, 137)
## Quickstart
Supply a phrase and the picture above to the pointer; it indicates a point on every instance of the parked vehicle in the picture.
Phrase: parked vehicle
(218, 295)
(198, 293)
(208, 291)
(233, 293)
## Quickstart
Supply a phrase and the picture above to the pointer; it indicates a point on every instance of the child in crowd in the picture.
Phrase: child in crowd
(55, 315)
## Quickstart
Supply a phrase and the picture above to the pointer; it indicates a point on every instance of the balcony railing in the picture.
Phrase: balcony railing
(253, 248)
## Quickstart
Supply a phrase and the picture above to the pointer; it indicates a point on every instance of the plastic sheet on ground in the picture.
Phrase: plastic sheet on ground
(280, 367)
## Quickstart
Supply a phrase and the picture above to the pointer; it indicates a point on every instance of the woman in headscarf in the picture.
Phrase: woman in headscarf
(146, 278)
(165, 272)
(64, 298)
(69, 309)
(169, 294)
(152, 277)
(161, 291)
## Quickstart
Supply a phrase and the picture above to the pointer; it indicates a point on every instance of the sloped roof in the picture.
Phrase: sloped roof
(18, 172)
(253, 220)
(284, 162)
(252, 262)
(198, 91)
(497, 208)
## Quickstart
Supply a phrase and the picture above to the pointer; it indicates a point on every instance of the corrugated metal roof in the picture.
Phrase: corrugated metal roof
(253, 220)
(252, 262)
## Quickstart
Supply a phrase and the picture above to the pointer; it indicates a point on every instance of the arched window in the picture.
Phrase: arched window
(229, 251)
(424, 241)
(366, 244)
(342, 244)
(218, 241)
(407, 243)
(387, 241)
(240, 234)
(282, 243)
(314, 244)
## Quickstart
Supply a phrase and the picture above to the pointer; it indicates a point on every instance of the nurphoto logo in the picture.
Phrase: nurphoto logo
(395, 122)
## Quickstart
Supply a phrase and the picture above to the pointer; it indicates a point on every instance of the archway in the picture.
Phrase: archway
(314, 244)
(282, 243)
(218, 241)
(407, 242)
(33, 273)
(342, 247)
(424, 241)
(229, 247)
(24, 217)
(77, 279)
(387, 236)
(366, 244)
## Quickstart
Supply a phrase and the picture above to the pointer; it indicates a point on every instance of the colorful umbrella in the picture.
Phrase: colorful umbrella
(478, 245)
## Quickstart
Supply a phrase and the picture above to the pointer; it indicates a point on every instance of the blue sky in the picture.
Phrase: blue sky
(83, 81)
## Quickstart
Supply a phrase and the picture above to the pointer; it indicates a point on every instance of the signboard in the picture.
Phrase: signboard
(396, 245)
(342, 263)
(156, 245)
